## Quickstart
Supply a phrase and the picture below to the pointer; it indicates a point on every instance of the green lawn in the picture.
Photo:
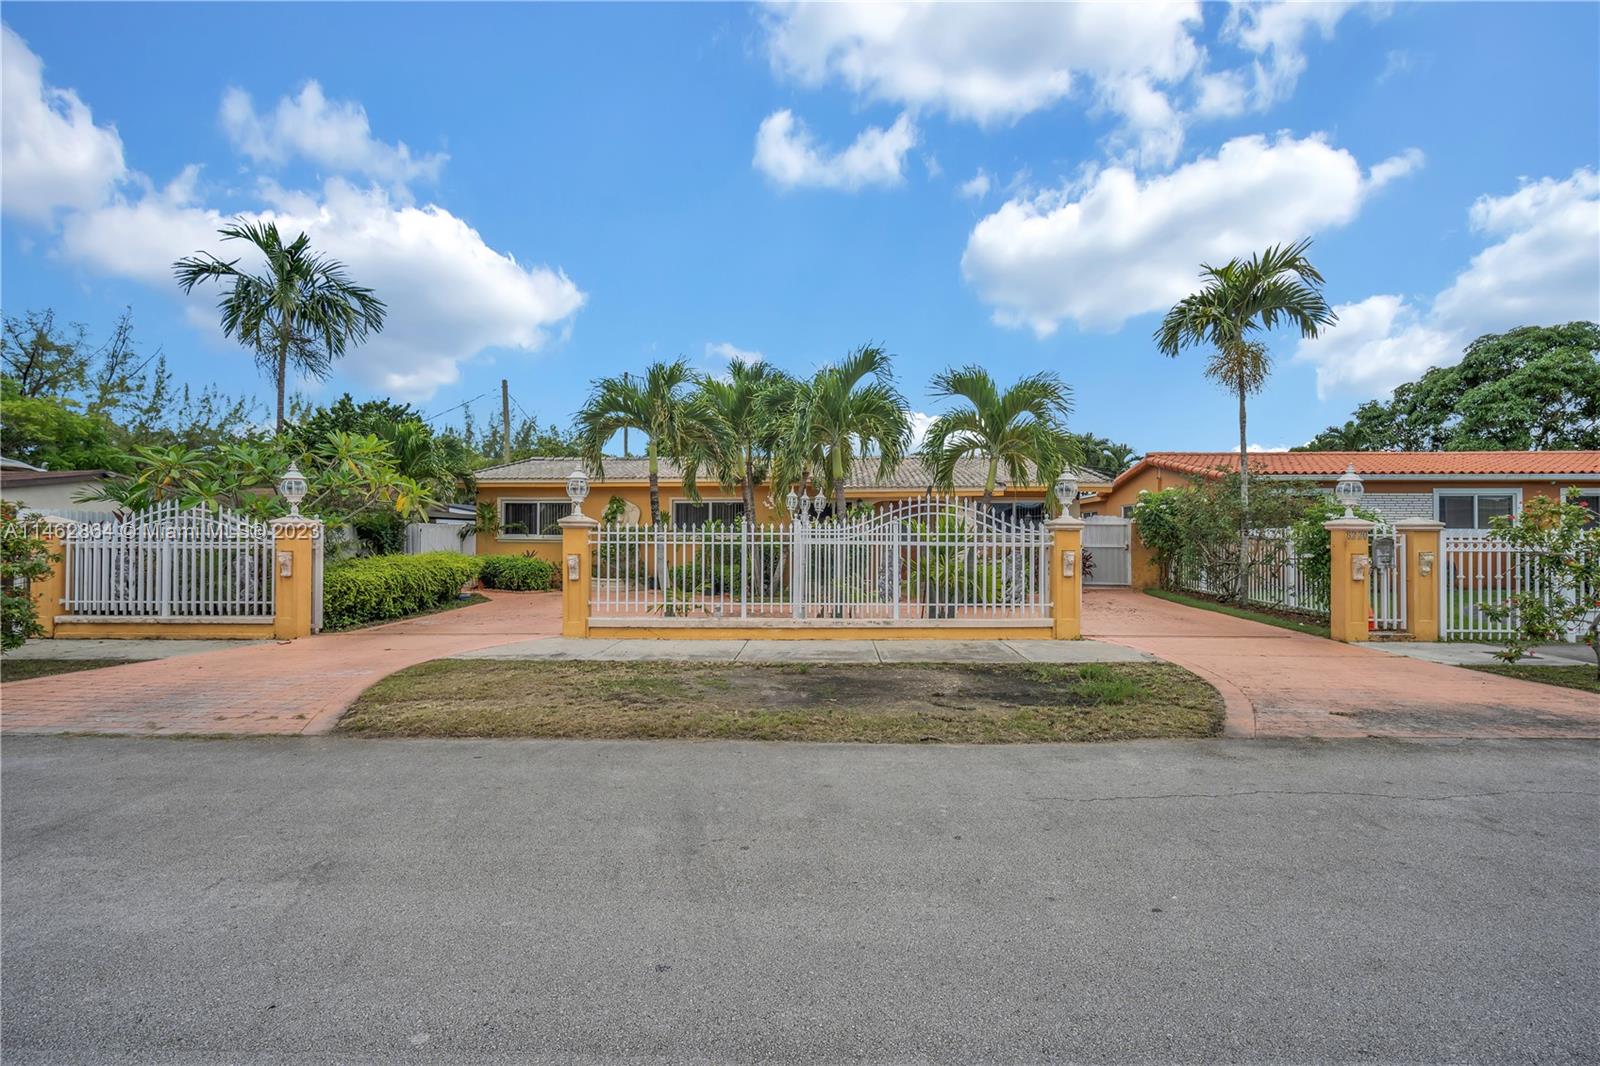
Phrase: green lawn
(972, 704)
(24, 669)
(1579, 677)
(1282, 621)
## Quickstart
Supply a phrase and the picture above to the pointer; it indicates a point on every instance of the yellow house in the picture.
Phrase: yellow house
(530, 496)
(1461, 489)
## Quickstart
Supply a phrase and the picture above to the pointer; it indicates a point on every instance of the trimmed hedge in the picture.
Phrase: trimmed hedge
(517, 573)
(380, 587)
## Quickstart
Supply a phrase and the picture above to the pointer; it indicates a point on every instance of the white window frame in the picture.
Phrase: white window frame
(672, 506)
(500, 504)
(1514, 493)
(1585, 490)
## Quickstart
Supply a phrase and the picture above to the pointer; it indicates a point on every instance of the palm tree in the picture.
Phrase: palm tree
(1023, 427)
(304, 311)
(1239, 299)
(742, 404)
(846, 409)
(660, 405)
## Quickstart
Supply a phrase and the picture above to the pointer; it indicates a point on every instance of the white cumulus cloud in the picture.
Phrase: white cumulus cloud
(1142, 64)
(977, 186)
(732, 353)
(1115, 245)
(335, 134)
(789, 155)
(52, 154)
(1543, 268)
(451, 296)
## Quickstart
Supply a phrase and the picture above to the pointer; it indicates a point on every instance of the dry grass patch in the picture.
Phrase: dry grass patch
(972, 704)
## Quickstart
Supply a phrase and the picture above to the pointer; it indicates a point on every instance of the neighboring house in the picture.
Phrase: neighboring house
(1461, 489)
(530, 496)
(53, 491)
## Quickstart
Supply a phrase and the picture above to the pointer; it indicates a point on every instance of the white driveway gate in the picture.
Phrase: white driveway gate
(920, 559)
(169, 563)
(1108, 550)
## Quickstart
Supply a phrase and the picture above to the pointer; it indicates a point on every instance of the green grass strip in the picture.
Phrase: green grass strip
(1309, 628)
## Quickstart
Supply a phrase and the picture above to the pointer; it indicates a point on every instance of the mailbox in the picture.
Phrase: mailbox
(1383, 553)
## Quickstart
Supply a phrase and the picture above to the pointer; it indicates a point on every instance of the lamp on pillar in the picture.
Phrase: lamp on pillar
(292, 487)
(1349, 490)
(577, 490)
(1066, 491)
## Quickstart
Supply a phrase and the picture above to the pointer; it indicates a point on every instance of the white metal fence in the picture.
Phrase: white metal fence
(1274, 576)
(169, 563)
(1107, 550)
(1479, 569)
(929, 559)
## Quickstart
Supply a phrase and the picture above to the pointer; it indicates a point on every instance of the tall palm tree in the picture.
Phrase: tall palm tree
(742, 403)
(1239, 299)
(661, 405)
(303, 311)
(847, 409)
(1023, 428)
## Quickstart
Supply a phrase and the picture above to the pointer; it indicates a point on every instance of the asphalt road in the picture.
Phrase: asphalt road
(459, 901)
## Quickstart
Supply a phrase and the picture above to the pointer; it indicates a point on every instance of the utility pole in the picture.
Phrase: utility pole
(626, 377)
(505, 421)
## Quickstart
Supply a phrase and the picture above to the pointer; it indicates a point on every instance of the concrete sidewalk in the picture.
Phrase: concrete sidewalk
(1461, 654)
(141, 650)
(813, 651)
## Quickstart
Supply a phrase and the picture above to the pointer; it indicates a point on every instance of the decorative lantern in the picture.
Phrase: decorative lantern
(1066, 491)
(793, 503)
(1349, 490)
(577, 489)
(292, 487)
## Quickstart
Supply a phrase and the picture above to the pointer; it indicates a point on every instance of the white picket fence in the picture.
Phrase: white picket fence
(926, 559)
(169, 563)
(1477, 568)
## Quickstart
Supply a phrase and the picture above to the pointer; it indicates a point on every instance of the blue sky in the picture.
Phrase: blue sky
(582, 189)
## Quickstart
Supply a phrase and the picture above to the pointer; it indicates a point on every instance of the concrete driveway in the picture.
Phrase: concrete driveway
(1278, 683)
(251, 687)
(311, 901)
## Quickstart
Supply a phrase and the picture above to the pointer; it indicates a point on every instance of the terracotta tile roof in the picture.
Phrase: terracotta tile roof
(1380, 464)
(911, 474)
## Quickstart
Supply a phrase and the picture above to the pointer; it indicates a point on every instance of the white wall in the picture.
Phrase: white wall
(56, 498)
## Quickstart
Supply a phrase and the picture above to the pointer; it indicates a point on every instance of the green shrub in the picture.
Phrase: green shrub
(379, 587)
(524, 573)
(23, 558)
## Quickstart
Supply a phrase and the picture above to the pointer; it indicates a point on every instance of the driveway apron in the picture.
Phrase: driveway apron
(1279, 683)
(299, 686)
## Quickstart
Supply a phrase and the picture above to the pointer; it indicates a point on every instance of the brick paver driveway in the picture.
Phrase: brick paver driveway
(1278, 683)
(299, 686)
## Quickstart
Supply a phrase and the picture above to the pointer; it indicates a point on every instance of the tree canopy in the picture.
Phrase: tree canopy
(1533, 388)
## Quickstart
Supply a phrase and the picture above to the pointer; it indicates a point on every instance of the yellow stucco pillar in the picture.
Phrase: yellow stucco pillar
(48, 591)
(1349, 597)
(294, 543)
(1423, 571)
(1066, 576)
(1146, 572)
(577, 573)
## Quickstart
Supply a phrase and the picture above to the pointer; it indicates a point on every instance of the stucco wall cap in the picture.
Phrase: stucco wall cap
(578, 521)
(1065, 522)
(1351, 525)
(1419, 524)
